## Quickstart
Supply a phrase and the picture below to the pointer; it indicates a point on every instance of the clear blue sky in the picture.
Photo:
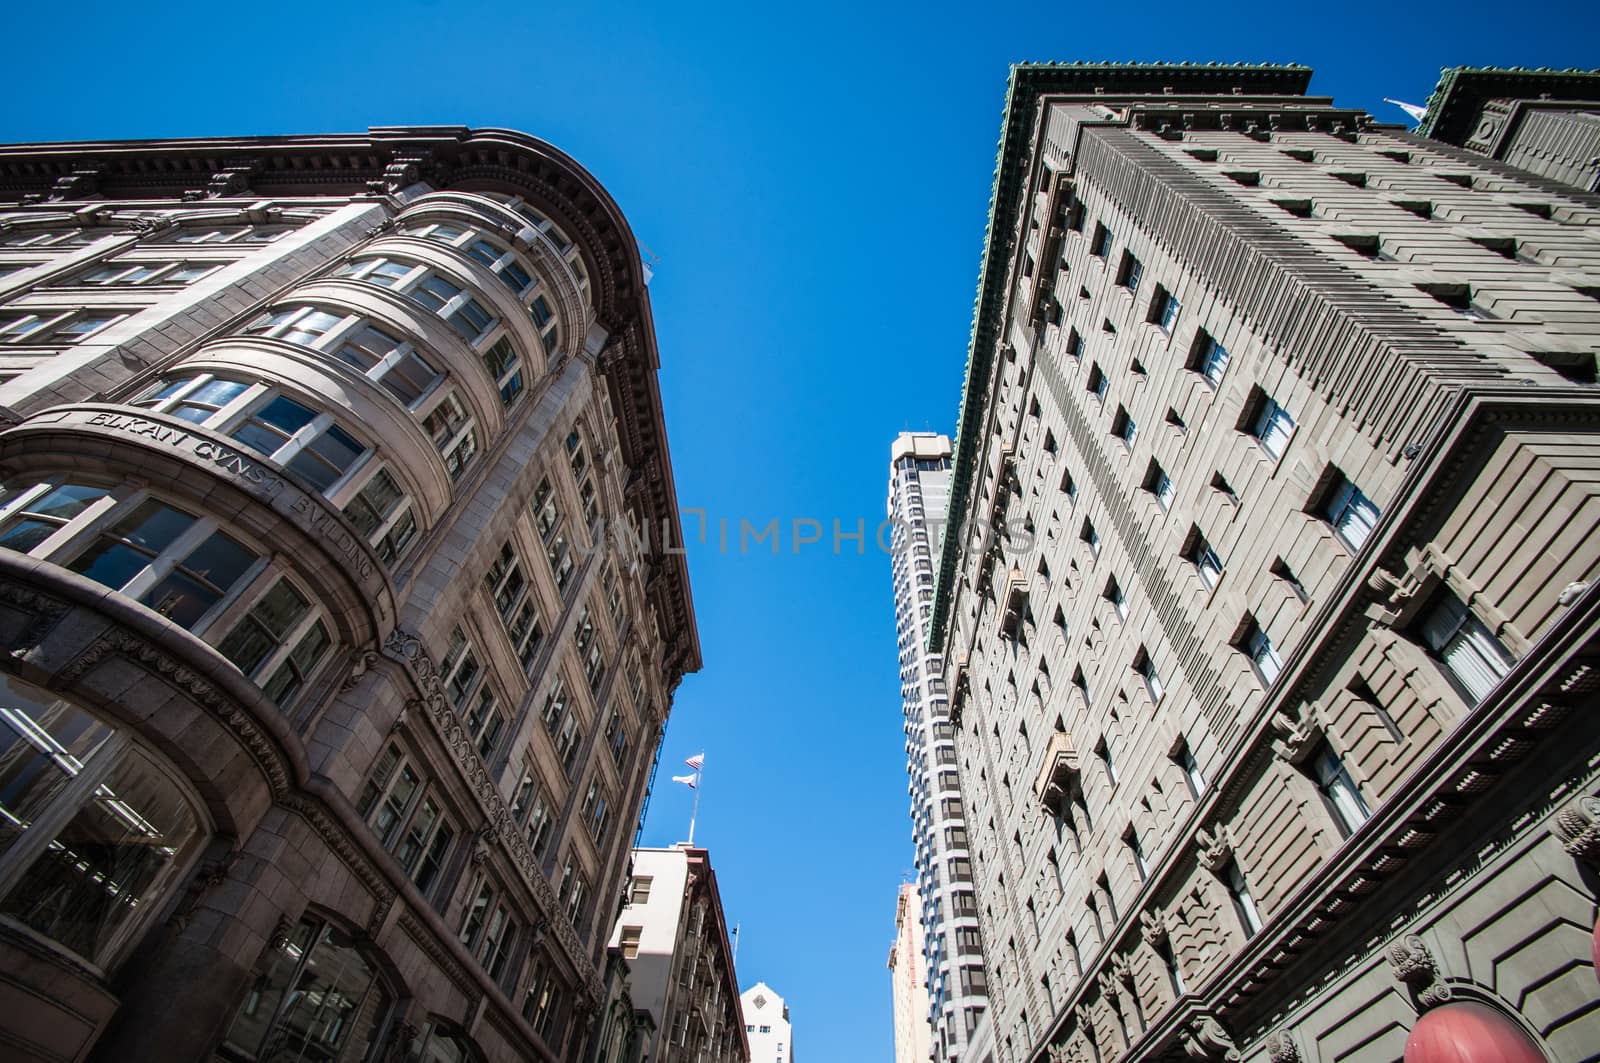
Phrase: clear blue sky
(815, 183)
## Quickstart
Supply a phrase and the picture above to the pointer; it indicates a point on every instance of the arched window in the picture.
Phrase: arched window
(317, 998)
(94, 831)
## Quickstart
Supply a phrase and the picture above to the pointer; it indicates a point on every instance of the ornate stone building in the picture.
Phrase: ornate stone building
(1272, 625)
(952, 960)
(338, 595)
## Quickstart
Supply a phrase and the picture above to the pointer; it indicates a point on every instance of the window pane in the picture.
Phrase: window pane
(107, 861)
(42, 746)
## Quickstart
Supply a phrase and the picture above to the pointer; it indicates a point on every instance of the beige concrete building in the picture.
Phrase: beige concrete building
(675, 940)
(331, 686)
(1272, 627)
(908, 980)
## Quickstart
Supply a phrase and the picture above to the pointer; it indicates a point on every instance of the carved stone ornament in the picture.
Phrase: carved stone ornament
(1155, 925)
(358, 670)
(1578, 828)
(1215, 848)
(1208, 1041)
(149, 224)
(1060, 1052)
(1297, 736)
(1414, 965)
(1281, 1048)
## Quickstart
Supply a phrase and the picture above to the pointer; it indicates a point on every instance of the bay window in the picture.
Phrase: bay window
(279, 642)
(382, 513)
(394, 364)
(94, 831)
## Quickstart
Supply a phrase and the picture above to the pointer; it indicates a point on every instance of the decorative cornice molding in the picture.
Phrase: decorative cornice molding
(501, 830)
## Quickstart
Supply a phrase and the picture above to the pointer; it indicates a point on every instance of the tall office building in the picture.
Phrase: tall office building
(674, 936)
(331, 696)
(766, 1025)
(908, 980)
(919, 485)
(1272, 626)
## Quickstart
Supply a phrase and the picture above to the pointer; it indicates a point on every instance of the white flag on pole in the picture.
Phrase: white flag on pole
(697, 761)
(691, 781)
(1417, 113)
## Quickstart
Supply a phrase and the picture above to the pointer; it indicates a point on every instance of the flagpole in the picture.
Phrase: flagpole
(695, 811)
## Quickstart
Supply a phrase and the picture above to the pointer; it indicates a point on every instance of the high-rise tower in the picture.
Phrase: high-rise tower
(919, 484)
(1276, 709)
(335, 665)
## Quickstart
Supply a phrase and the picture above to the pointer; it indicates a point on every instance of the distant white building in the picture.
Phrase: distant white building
(766, 1025)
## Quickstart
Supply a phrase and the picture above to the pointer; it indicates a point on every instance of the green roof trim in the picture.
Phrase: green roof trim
(1026, 85)
(1459, 96)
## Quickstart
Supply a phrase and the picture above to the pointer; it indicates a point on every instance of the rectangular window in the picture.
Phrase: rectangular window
(1152, 678)
(1210, 359)
(1136, 851)
(1100, 246)
(382, 513)
(1096, 383)
(1339, 791)
(1244, 903)
(1258, 647)
(1469, 650)
(1131, 273)
(1159, 484)
(639, 889)
(1271, 426)
(1164, 310)
(1124, 427)
(54, 327)
(125, 274)
(408, 823)
(1351, 513)
(279, 642)
(1192, 774)
(630, 941)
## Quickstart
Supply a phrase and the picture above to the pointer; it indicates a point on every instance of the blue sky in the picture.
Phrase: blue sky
(815, 182)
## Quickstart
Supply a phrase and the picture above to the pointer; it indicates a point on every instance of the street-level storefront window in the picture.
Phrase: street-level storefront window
(94, 830)
(316, 999)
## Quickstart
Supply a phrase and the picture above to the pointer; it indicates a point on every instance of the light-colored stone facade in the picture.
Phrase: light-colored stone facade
(1543, 122)
(675, 940)
(326, 467)
(919, 489)
(908, 980)
(766, 1025)
(1272, 625)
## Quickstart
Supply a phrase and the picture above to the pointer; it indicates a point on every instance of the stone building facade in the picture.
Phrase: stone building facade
(1544, 122)
(908, 984)
(952, 962)
(672, 933)
(1272, 626)
(333, 678)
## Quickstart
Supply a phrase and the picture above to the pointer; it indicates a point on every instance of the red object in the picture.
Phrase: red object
(1468, 1032)
(1594, 946)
